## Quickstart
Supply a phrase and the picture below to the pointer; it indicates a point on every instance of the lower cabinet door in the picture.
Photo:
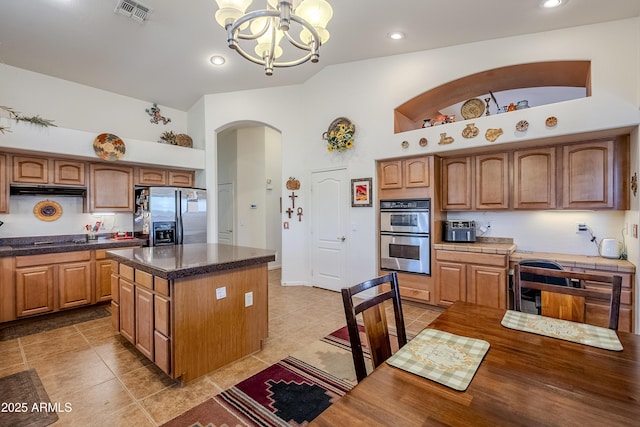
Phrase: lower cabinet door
(34, 290)
(127, 310)
(74, 284)
(144, 321)
(487, 286)
(162, 347)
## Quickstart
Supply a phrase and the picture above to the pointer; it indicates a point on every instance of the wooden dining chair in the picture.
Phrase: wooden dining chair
(566, 302)
(374, 319)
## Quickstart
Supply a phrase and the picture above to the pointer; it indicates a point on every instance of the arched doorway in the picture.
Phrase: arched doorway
(249, 176)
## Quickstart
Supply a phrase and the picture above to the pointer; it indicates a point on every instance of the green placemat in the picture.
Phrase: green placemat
(445, 358)
(582, 333)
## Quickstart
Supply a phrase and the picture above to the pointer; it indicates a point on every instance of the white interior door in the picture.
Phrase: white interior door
(330, 204)
(226, 203)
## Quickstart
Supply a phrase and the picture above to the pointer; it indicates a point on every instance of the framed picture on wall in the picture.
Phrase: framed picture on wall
(361, 192)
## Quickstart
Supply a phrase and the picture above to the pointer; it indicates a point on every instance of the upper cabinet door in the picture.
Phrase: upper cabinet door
(534, 178)
(492, 181)
(148, 176)
(456, 184)
(181, 178)
(390, 174)
(30, 170)
(67, 172)
(588, 175)
(416, 172)
(111, 188)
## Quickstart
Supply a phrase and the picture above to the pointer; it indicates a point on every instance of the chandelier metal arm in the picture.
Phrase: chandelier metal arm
(234, 33)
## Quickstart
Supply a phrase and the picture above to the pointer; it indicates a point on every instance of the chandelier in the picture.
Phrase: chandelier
(267, 27)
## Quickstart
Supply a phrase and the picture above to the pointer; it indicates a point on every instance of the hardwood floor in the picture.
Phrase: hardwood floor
(109, 383)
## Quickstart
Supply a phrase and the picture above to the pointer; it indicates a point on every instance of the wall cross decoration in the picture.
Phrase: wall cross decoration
(289, 212)
(293, 199)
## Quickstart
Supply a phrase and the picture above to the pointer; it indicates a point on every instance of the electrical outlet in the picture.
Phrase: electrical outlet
(581, 226)
(248, 299)
(221, 292)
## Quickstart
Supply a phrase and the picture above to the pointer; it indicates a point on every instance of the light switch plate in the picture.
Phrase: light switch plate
(248, 299)
(221, 292)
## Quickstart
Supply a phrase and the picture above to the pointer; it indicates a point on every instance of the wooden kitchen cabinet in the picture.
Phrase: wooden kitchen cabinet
(471, 277)
(457, 184)
(405, 178)
(589, 176)
(67, 172)
(451, 283)
(51, 282)
(144, 321)
(111, 188)
(534, 178)
(30, 170)
(74, 284)
(126, 310)
(4, 185)
(491, 178)
(44, 171)
(34, 290)
(181, 178)
(149, 176)
(103, 278)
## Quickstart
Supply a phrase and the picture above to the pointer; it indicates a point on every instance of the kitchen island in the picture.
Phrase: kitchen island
(191, 308)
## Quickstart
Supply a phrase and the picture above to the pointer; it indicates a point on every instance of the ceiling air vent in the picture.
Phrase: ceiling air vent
(134, 10)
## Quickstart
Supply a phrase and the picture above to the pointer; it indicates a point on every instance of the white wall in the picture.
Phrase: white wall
(273, 201)
(74, 106)
(368, 91)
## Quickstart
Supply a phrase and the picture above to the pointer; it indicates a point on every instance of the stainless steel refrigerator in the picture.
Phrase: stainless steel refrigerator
(170, 215)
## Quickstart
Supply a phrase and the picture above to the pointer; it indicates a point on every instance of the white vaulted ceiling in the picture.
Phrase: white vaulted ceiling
(166, 59)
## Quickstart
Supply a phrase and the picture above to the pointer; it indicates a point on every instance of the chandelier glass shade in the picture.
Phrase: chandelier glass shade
(303, 23)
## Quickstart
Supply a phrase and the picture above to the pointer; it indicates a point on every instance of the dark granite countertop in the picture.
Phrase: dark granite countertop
(176, 261)
(19, 246)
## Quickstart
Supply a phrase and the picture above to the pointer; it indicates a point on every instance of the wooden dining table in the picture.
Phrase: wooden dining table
(525, 379)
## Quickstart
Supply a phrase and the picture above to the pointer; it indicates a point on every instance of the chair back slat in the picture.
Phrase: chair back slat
(374, 319)
(569, 302)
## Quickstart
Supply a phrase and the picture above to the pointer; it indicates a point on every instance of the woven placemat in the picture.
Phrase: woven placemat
(448, 359)
(582, 333)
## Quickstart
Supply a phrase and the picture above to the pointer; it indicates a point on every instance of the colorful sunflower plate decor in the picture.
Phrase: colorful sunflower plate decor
(340, 135)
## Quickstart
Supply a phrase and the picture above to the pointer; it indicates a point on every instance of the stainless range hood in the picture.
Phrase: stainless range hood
(47, 190)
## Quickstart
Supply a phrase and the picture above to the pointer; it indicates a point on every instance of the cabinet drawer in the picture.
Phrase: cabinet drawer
(161, 286)
(162, 349)
(161, 315)
(126, 272)
(55, 258)
(472, 258)
(144, 279)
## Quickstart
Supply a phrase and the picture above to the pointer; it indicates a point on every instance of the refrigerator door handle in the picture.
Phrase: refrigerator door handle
(179, 226)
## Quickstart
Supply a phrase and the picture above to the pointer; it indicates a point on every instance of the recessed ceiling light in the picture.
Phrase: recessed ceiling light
(549, 4)
(217, 60)
(396, 35)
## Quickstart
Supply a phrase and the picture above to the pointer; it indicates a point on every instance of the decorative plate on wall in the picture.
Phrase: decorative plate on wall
(47, 210)
(472, 108)
(108, 146)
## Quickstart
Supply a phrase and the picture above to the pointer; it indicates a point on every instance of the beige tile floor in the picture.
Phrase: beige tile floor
(109, 383)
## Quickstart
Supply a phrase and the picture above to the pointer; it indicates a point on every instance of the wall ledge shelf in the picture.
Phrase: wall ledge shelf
(79, 144)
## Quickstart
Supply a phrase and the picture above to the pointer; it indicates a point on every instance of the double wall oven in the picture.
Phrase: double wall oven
(405, 243)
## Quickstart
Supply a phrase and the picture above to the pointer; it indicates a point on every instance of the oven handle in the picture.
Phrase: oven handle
(392, 233)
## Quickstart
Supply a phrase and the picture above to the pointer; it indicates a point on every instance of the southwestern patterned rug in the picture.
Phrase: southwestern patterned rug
(290, 393)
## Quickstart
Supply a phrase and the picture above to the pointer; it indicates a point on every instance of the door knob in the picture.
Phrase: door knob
(342, 239)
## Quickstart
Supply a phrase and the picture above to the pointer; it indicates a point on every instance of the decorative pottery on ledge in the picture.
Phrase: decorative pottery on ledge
(340, 135)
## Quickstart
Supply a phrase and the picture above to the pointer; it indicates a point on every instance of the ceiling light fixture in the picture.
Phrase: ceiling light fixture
(549, 4)
(217, 60)
(396, 35)
(269, 26)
